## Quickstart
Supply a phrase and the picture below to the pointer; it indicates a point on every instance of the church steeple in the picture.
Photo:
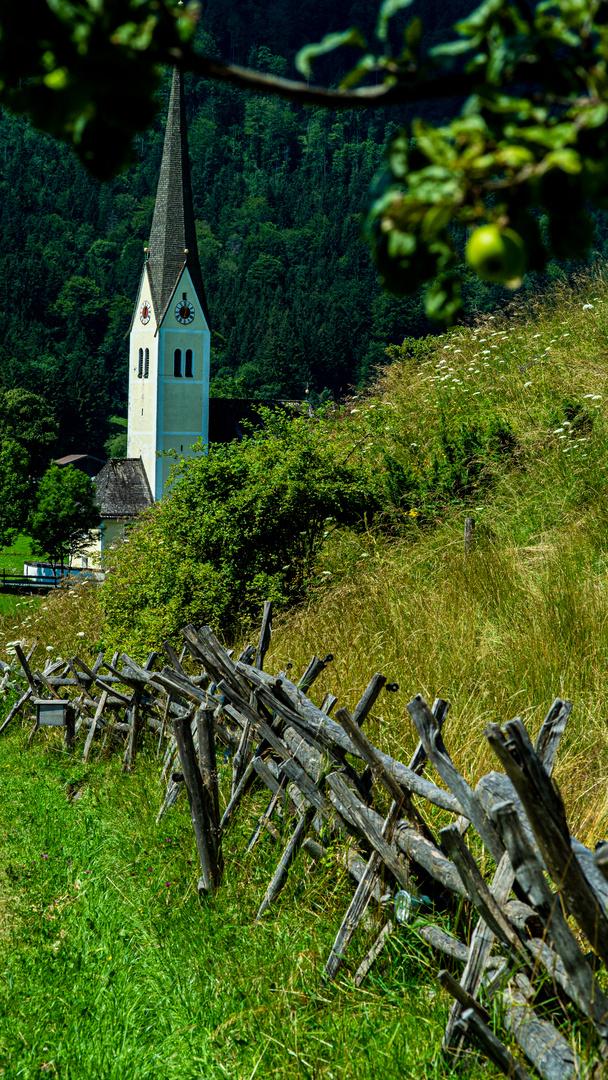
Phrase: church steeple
(173, 229)
(170, 351)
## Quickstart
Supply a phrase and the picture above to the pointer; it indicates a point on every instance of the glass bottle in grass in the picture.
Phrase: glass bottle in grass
(408, 904)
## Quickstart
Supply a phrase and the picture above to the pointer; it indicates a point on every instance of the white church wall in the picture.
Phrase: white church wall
(143, 392)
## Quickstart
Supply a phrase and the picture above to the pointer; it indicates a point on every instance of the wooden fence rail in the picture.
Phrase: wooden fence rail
(325, 779)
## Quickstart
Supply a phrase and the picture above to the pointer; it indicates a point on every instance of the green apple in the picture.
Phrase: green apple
(496, 254)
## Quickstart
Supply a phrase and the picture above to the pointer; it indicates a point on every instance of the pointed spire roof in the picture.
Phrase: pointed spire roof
(173, 228)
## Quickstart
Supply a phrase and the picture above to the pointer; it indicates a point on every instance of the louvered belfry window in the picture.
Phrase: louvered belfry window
(177, 364)
(140, 364)
(189, 372)
(147, 364)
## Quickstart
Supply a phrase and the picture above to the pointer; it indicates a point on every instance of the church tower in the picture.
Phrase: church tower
(169, 354)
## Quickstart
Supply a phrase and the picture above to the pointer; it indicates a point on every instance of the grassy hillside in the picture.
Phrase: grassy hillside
(523, 619)
(500, 632)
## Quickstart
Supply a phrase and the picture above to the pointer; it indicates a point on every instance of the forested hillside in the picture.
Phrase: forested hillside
(278, 193)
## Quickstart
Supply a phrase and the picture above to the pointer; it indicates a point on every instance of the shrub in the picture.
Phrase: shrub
(455, 466)
(242, 523)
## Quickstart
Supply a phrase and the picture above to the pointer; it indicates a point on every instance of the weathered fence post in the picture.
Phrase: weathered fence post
(70, 728)
(469, 535)
(205, 727)
(196, 798)
(265, 633)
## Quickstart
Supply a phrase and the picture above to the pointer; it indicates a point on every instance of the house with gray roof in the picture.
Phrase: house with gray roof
(122, 494)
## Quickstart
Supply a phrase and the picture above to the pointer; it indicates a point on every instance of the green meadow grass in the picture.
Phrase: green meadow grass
(111, 967)
(12, 559)
(107, 970)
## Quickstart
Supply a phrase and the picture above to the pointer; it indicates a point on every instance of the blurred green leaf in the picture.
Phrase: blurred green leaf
(387, 10)
(566, 159)
(456, 48)
(413, 34)
(479, 21)
(353, 37)
(368, 63)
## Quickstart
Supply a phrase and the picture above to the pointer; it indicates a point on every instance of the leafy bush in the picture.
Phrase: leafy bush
(461, 459)
(455, 466)
(242, 523)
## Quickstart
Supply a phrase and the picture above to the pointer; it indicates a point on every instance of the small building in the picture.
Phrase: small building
(85, 462)
(122, 493)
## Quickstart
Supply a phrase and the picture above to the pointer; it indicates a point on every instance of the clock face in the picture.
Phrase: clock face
(184, 312)
(144, 312)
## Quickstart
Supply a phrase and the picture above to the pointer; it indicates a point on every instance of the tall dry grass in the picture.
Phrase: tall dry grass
(499, 633)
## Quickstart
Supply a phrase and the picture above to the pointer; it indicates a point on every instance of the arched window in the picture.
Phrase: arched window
(146, 364)
(189, 372)
(140, 364)
(177, 363)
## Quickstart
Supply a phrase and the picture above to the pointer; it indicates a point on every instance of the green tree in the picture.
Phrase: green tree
(116, 445)
(28, 433)
(27, 419)
(15, 490)
(531, 137)
(65, 516)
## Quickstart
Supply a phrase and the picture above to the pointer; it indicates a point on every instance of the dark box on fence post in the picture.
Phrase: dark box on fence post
(54, 713)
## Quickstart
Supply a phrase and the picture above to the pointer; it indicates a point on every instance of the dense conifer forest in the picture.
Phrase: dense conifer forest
(279, 191)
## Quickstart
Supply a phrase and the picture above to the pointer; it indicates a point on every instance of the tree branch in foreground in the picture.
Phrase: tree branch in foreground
(368, 97)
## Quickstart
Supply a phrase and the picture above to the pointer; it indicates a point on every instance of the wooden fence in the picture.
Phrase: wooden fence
(541, 928)
(23, 584)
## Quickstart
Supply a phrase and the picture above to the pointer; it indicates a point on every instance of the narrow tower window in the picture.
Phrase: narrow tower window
(177, 363)
(189, 372)
(140, 364)
(147, 364)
